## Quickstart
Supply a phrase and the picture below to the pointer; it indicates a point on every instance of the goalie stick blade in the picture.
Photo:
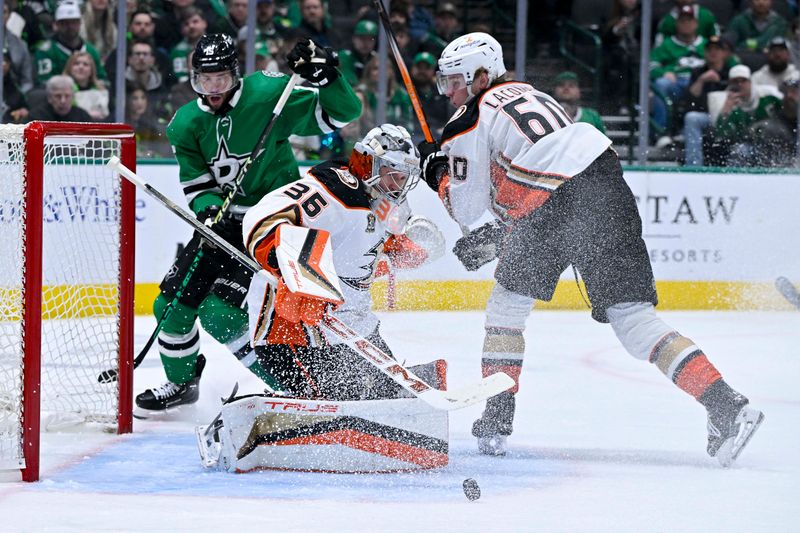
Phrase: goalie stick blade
(479, 392)
(788, 291)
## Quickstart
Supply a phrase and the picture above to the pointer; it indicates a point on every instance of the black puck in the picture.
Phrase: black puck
(471, 489)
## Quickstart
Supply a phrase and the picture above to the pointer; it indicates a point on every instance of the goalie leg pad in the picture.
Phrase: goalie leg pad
(263, 432)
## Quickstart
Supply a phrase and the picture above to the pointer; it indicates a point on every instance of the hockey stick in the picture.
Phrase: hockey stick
(788, 291)
(407, 81)
(464, 397)
(110, 375)
(446, 400)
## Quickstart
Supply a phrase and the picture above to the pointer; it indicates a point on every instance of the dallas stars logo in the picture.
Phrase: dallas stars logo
(225, 166)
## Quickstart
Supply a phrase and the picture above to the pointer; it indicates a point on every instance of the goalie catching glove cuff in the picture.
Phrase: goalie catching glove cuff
(313, 63)
(433, 162)
(480, 246)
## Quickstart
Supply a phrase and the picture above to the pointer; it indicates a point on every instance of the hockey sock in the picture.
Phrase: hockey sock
(179, 354)
(686, 365)
(178, 340)
(503, 351)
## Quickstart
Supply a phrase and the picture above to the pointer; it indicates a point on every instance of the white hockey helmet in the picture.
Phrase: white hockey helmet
(464, 56)
(386, 160)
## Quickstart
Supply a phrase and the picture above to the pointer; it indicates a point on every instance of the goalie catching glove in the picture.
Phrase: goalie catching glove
(481, 245)
(313, 63)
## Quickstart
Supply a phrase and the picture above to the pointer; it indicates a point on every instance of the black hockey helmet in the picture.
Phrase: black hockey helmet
(215, 52)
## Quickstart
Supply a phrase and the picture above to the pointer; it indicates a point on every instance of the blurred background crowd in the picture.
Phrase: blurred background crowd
(722, 82)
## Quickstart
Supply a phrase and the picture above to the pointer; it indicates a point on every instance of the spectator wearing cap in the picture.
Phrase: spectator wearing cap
(753, 29)
(711, 77)
(672, 61)
(779, 67)
(568, 93)
(60, 106)
(706, 21)
(734, 114)
(315, 26)
(193, 26)
(436, 106)
(51, 55)
(353, 59)
(235, 19)
(445, 26)
(21, 68)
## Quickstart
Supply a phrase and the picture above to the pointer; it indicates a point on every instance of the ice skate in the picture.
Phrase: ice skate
(730, 428)
(170, 395)
(495, 424)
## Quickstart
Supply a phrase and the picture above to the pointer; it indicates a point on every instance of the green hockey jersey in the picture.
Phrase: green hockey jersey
(210, 148)
(51, 58)
(675, 56)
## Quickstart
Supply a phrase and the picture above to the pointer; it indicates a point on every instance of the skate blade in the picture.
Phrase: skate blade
(147, 414)
(750, 420)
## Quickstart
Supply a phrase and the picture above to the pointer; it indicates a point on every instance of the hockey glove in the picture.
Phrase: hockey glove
(226, 227)
(295, 307)
(313, 63)
(433, 163)
(480, 246)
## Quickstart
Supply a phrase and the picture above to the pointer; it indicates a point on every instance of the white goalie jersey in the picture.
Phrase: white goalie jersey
(328, 198)
(509, 149)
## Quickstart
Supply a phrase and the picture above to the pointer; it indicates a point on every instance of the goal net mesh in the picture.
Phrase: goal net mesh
(80, 283)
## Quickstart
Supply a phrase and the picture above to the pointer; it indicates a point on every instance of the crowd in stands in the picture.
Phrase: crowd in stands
(723, 89)
(60, 59)
(727, 92)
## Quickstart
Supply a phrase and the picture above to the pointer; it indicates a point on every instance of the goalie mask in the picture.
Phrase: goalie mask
(215, 65)
(463, 57)
(387, 161)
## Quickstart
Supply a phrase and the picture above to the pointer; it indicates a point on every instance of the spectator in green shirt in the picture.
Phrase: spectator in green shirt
(672, 61)
(568, 93)
(752, 30)
(353, 59)
(706, 21)
(51, 56)
(743, 106)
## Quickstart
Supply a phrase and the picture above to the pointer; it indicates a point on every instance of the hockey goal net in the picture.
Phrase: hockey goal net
(66, 283)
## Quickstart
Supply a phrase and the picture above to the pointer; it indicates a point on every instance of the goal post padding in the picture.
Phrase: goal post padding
(66, 282)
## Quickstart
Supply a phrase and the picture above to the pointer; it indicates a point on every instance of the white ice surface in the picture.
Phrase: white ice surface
(602, 442)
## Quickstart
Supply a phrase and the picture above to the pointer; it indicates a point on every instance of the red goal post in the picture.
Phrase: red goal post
(67, 226)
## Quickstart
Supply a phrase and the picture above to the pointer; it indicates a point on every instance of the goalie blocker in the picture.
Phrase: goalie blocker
(260, 432)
